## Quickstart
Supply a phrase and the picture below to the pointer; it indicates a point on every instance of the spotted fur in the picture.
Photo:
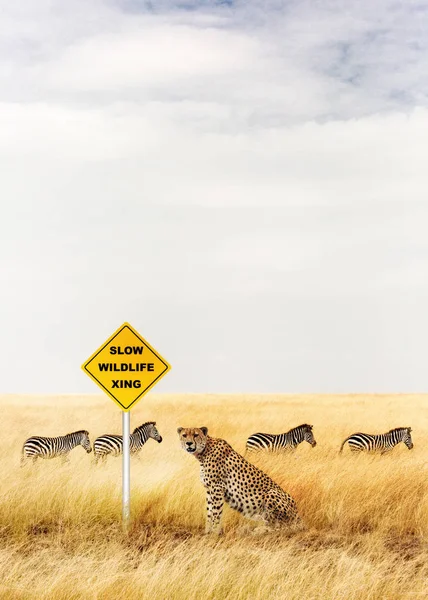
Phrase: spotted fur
(228, 477)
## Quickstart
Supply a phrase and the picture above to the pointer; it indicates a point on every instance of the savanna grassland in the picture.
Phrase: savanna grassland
(366, 535)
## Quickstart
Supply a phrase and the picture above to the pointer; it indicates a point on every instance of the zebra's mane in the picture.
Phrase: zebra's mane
(80, 431)
(303, 426)
(143, 425)
(398, 429)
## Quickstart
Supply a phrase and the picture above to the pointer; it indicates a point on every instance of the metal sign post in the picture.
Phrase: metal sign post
(126, 367)
(126, 471)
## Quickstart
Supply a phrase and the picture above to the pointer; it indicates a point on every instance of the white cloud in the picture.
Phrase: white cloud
(373, 159)
(220, 177)
(155, 55)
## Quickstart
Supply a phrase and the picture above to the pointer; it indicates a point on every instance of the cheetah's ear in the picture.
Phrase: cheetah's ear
(204, 430)
(179, 430)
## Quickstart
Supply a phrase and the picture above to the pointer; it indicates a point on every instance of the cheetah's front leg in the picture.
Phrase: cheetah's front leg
(215, 503)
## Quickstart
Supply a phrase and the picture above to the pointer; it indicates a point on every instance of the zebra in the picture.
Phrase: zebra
(384, 442)
(282, 441)
(113, 444)
(46, 447)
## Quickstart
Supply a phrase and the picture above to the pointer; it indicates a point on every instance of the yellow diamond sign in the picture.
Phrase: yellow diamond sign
(126, 367)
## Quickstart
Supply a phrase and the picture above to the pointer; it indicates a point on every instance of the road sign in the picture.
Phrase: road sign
(126, 367)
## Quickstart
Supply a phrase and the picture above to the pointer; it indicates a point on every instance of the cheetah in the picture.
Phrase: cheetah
(227, 476)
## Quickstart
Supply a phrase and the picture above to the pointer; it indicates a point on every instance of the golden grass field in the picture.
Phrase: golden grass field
(366, 535)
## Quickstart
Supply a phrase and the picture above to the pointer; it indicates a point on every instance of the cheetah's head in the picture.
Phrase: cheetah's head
(193, 439)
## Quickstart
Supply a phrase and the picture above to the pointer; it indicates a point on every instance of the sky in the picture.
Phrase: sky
(244, 182)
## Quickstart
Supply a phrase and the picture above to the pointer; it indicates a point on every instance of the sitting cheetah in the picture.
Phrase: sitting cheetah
(228, 476)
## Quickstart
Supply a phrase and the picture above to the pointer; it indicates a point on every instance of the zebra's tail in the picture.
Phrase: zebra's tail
(249, 450)
(343, 443)
(23, 457)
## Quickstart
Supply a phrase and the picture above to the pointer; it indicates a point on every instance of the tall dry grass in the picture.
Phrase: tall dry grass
(366, 516)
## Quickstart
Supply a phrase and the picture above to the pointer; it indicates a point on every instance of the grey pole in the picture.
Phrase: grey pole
(126, 470)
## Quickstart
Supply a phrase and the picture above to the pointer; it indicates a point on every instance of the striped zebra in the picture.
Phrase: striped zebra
(282, 441)
(384, 442)
(47, 447)
(113, 444)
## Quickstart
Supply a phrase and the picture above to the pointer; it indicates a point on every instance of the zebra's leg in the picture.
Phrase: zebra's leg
(250, 451)
(293, 453)
(100, 458)
(64, 458)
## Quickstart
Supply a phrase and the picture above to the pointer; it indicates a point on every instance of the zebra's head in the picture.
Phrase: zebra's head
(309, 436)
(154, 433)
(407, 437)
(85, 441)
(148, 430)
